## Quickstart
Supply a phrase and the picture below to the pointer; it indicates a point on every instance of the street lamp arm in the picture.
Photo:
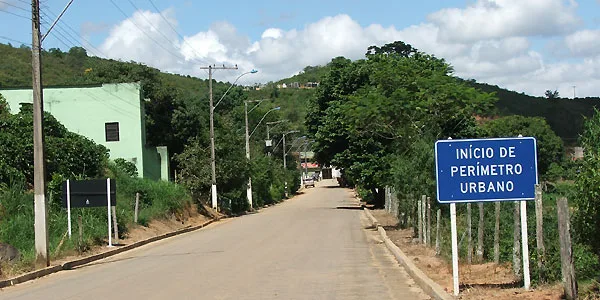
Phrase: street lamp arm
(257, 104)
(284, 134)
(272, 109)
(227, 91)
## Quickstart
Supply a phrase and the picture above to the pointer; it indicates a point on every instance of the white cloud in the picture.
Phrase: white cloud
(144, 37)
(584, 42)
(493, 19)
(501, 53)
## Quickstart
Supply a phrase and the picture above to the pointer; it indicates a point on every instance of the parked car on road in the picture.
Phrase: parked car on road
(308, 181)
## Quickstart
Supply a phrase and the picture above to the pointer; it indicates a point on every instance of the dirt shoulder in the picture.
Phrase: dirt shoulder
(477, 281)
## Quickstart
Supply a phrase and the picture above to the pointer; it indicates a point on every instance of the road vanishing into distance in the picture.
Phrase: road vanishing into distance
(304, 248)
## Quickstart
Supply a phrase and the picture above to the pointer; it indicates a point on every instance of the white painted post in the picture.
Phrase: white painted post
(525, 245)
(109, 213)
(454, 247)
(69, 207)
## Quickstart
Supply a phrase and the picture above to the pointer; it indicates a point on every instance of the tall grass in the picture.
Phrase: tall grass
(158, 199)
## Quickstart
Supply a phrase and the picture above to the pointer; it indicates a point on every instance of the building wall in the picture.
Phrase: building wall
(85, 110)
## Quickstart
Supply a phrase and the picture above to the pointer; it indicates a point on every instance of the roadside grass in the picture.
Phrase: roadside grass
(158, 199)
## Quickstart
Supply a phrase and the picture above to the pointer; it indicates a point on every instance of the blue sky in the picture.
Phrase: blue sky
(528, 46)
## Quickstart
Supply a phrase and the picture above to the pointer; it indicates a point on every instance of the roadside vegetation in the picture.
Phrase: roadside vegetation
(378, 119)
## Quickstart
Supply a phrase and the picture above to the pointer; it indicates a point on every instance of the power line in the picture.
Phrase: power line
(14, 14)
(183, 40)
(150, 23)
(13, 40)
(144, 32)
(79, 35)
(15, 6)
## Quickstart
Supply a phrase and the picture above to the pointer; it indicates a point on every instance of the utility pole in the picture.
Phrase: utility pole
(212, 131)
(273, 123)
(249, 187)
(305, 160)
(574, 91)
(39, 184)
(284, 168)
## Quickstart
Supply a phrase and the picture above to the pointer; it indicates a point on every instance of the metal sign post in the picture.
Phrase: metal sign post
(109, 214)
(454, 247)
(89, 193)
(69, 207)
(476, 170)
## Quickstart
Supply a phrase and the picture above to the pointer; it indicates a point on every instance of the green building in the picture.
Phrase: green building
(109, 114)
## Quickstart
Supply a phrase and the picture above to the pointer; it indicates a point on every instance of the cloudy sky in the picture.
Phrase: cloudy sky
(525, 45)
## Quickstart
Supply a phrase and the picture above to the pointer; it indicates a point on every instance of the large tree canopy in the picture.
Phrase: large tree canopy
(368, 110)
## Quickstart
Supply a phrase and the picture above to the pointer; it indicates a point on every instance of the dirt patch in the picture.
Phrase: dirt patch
(478, 281)
(189, 217)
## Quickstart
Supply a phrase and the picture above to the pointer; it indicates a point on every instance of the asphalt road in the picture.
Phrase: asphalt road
(304, 248)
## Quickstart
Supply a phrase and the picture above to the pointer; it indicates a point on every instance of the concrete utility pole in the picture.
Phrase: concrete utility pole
(212, 131)
(285, 162)
(249, 186)
(273, 123)
(39, 170)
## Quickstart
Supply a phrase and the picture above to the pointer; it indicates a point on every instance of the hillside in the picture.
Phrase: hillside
(74, 67)
(565, 116)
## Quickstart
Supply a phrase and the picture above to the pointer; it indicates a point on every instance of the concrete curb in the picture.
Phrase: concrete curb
(429, 286)
(86, 260)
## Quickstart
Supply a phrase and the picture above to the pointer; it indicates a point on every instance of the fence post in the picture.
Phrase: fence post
(480, 233)
(516, 241)
(437, 233)
(539, 233)
(566, 251)
(423, 218)
(497, 234)
(469, 235)
(420, 219)
(137, 203)
(114, 219)
(428, 221)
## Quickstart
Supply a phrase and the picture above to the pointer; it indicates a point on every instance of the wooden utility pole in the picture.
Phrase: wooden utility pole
(39, 184)
(566, 250)
(480, 233)
(539, 233)
(497, 234)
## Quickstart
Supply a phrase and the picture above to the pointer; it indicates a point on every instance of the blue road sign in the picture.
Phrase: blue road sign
(502, 169)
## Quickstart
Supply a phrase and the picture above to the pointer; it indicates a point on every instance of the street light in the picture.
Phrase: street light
(212, 128)
(249, 187)
(268, 142)
(253, 71)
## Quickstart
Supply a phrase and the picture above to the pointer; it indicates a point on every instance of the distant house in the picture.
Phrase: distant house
(294, 85)
(111, 115)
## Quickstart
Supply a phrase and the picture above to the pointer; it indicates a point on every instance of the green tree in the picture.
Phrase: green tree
(586, 219)
(368, 110)
(549, 145)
